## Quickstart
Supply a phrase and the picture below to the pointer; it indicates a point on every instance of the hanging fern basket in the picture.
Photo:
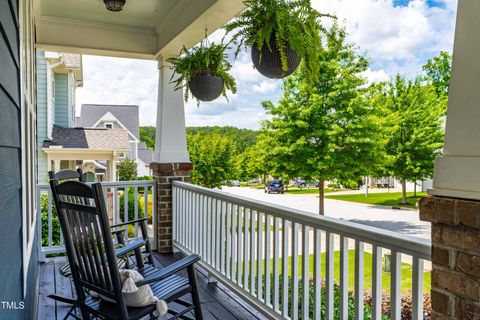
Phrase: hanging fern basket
(206, 87)
(269, 62)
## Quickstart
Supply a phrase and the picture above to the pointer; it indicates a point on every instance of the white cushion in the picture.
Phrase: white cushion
(136, 296)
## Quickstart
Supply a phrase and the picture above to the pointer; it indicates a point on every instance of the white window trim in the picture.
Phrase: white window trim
(28, 135)
(106, 124)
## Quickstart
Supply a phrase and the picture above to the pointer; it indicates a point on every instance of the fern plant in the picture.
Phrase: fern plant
(205, 58)
(285, 23)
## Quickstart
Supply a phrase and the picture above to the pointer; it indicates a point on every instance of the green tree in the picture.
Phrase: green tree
(438, 71)
(327, 130)
(147, 134)
(212, 158)
(127, 170)
(416, 132)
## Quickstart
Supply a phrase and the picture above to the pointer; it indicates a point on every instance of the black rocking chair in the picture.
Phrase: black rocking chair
(118, 230)
(93, 260)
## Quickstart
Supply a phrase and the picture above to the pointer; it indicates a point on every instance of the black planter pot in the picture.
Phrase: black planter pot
(269, 62)
(206, 87)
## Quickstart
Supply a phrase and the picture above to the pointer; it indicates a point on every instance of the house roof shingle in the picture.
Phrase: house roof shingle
(89, 138)
(145, 154)
(126, 114)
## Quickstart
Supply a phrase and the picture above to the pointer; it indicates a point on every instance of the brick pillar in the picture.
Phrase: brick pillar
(164, 174)
(455, 256)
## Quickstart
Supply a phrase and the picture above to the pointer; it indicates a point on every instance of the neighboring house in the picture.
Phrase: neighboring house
(60, 144)
(120, 116)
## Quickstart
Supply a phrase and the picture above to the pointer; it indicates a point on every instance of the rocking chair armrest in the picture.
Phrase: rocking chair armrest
(170, 270)
(129, 222)
(129, 247)
(118, 231)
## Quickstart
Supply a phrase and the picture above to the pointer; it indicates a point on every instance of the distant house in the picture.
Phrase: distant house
(60, 144)
(120, 117)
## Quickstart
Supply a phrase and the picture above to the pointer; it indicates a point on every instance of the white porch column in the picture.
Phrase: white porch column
(170, 140)
(457, 172)
(56, 165)
(114, 168)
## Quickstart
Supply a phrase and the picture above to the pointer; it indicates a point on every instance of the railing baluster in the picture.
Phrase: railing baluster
(359, 275)
(306, 272)
(205, 226)
(294, 288)
(343, 278)
(115, 203)
(49, 209)
(222, 237)
(317, 273)
(125, 209)
(239, 246)
(246, 213)
(276, 267)
(417, 289)
(189, 218)
(285, 268)
(210, 230)
(145, 201)
(233, 237)
(135, 206)
(396, 286)
(259, 255)
(252, 251)
(217, 232)
(228, 217)
(329, 270)
(267, 264)
(376, 283)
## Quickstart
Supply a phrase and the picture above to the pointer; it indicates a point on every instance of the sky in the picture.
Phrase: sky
(397, 37)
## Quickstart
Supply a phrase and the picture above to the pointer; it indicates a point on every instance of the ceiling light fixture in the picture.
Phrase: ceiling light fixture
(114, 5)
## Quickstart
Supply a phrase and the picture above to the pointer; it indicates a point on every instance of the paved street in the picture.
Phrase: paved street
(402, 221)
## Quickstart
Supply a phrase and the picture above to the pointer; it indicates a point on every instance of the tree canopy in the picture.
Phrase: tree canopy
(415, 135)
(328, 130)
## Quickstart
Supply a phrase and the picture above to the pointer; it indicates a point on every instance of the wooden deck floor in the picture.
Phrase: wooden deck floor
(218, 302)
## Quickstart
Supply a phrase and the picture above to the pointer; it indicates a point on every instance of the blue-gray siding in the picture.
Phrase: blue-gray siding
(61, 100)
(42, 115)
(11, 263)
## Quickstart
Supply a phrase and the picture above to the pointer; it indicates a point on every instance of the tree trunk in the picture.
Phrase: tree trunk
(404, 192)
(366, 186)
(415, 189)
(321, 197)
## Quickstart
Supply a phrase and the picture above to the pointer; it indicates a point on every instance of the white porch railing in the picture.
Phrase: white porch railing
(248, 244)
(52, 240)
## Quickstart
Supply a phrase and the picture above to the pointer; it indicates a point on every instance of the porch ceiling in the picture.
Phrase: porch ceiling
(144, 29)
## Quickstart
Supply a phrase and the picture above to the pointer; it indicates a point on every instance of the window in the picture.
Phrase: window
(28, 130)
(108, 125)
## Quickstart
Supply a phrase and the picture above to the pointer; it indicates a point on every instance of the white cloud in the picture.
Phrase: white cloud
(265, 86)
(375, 76)
(394, 36)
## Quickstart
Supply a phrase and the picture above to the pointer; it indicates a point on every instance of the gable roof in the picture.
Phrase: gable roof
(88, 138)
(126, 114)
(144, 153)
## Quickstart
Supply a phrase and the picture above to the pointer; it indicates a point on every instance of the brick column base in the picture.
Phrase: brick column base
(164, 174)
(455, 256)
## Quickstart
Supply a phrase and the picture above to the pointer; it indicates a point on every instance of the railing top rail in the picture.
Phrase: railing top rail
(133, 183)
(402, 243)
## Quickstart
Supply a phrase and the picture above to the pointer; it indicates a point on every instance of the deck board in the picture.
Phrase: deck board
(218, 302)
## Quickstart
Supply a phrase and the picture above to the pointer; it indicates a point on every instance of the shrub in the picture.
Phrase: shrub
(127, 170)
(55, 222)
(131, 205)
(406, 313)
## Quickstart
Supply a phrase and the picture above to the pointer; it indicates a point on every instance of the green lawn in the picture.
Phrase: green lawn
(293, 190)
(383, 199)
(406, 272)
